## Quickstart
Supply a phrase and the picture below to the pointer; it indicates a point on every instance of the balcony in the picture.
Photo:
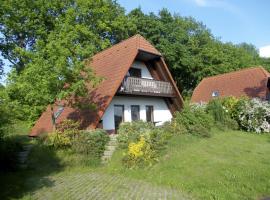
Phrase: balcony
(147, 87)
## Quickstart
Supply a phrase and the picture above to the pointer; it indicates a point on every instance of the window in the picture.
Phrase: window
(215, 94)
(118, 115)
(135, 112)
(135, 72)
(149, 113)
(59, 111)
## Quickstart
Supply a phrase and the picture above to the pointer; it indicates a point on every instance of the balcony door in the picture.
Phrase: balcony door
(118, 115)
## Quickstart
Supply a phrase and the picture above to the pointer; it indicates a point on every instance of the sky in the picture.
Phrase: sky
(233, 21)
(230, 20)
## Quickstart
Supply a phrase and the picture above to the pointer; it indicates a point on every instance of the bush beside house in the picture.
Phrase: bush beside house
(68, 136)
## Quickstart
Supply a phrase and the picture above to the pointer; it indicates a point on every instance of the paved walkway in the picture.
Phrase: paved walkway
(99, 186)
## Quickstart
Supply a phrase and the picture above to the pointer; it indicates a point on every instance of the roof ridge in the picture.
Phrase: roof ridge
(234, 72)
(117, 44)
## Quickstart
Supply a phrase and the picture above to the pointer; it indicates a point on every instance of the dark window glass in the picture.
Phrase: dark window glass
(118, 115)
(135, 112)
(135, 72)
(149, 113)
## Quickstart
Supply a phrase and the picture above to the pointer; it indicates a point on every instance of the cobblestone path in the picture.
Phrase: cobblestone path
(100, 186)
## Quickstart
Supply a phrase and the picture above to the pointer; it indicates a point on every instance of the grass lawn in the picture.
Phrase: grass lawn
(229, 165)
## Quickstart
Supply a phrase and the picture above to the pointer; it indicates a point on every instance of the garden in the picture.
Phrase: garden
(219, 150)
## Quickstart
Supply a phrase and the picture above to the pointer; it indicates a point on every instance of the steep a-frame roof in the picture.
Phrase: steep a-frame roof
(250, 82)
(112, 64)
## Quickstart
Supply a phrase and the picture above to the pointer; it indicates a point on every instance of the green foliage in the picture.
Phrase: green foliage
(132, 131)
(64, 135)
(190, 49)
(68, 136)
(216, 109)
(194, 120)
(143, 142)
(91, 143)
(230, 104)
(49, 43)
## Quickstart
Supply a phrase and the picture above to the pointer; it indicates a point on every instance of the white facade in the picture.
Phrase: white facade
(161, 110)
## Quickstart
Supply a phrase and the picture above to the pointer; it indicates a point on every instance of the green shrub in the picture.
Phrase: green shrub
(58, 140)
(230, 104)
(143, 142)
(131, 132)
(66, 132)
(91, 143)
(222, 111)
(195, 120)
(217, 110)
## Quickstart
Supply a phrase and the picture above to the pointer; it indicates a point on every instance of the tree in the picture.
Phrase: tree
(190, 49)
(48, 44)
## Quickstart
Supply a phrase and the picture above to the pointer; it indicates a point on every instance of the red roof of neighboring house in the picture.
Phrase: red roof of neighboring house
(112, 64)
(250, 82)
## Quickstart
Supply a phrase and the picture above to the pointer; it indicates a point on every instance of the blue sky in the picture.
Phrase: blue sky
(230, 20)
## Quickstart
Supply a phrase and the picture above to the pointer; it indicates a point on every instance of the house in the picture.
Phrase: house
(250, 82)
(137, 85)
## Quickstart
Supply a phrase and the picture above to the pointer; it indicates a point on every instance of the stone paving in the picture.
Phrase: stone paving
(101, 186)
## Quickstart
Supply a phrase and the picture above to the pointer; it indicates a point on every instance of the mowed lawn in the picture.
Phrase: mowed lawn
(229, 165)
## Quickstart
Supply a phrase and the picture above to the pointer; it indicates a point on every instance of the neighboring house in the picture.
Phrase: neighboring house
(137, 85)
(251, 82)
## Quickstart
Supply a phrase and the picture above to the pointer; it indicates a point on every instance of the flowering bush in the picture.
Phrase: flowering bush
(132, 131)
(139, 154)
(254, 115)
(142, 142)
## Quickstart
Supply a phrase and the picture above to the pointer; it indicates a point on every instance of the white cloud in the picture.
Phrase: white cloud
(201, 3)
(223, 4)
(265, 51)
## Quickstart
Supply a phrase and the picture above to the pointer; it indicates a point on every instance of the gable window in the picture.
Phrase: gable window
(135, 112)
(215, 94)
(59, 111)
(149, 113)
(134, 72)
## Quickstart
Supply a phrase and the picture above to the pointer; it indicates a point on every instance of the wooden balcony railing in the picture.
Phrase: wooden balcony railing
(142, 86)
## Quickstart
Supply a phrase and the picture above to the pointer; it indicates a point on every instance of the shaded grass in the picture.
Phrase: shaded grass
(229, 165)
(43, 162)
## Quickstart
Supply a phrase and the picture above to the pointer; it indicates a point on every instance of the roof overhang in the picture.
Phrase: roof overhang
(146, 56)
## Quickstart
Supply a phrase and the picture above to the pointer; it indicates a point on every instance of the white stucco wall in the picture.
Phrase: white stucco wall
(161, 110)
(144, 70)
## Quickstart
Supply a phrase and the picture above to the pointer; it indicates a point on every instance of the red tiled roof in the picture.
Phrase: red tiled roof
(250, 82)
(111, 64)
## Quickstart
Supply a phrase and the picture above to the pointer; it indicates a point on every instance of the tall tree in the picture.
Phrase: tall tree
(190, 49)
(48, 42)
